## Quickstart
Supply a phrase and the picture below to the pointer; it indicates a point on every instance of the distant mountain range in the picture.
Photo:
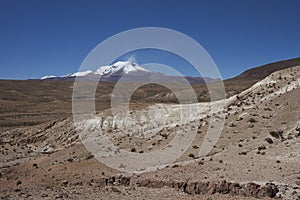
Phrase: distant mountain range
(133, 72)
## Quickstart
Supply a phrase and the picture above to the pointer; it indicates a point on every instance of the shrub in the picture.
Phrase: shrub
(19, 182)
(261, 148)
(191, 155)
(115, 190)
(252, 120)
(89, 157)
(277, 134)
(269, 140)
(232, 125)
(200, 163)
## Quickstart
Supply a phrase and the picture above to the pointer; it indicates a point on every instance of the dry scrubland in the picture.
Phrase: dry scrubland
(257, 155)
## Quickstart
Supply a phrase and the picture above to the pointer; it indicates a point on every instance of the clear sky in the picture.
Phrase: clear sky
(45, 37)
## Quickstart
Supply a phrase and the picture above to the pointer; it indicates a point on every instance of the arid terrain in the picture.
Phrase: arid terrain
(256, 157)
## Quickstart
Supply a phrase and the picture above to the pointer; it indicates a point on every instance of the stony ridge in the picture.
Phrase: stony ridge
(196, 188)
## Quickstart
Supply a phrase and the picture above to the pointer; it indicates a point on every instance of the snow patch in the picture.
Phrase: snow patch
(79, 74)
(47, 77)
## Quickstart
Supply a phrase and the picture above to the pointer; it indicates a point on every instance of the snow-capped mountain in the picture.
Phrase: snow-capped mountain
(125, 67)
(118, 68)
(112, 73)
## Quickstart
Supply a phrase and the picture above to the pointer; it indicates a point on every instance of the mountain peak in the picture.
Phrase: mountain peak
(112, 73)
(120, 66)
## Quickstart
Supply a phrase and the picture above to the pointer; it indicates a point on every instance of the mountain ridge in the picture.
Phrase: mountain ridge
(133, 72)
(262, 71)
(120, 67)
(115, 70)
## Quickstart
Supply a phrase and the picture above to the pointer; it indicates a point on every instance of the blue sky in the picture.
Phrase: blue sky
(47, 37)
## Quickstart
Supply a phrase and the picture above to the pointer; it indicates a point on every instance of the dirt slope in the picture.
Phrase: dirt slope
(257, 154)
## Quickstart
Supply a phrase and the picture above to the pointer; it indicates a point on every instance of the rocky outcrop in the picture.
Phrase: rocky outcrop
(201, 188)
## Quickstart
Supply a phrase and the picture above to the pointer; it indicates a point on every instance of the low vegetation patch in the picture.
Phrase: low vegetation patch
(277, 134)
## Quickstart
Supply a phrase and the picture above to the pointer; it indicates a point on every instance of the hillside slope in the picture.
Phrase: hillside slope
(259, 73)
(31, 102)
(257, 154)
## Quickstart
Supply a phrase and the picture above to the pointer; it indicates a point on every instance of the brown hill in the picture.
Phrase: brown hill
(256, 156)
(259, 73)
(30, 102)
